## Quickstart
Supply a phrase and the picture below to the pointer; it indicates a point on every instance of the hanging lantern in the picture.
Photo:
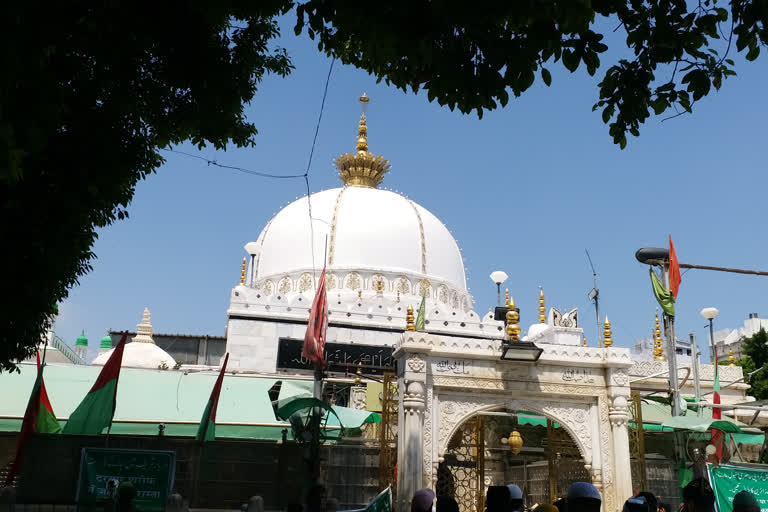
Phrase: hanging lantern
(515, 442)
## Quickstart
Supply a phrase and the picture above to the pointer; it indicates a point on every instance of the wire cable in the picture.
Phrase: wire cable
(309, 165)
(235, 168)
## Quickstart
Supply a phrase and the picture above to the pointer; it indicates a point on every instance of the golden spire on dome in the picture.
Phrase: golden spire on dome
(362, 168)
(542, 309)
(731, 358)
(584, 341)
(607, 341)
(410, 325)
(658, 346)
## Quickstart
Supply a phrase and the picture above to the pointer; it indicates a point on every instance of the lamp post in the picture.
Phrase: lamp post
(660, 257)
(498, 277)
(710, 314)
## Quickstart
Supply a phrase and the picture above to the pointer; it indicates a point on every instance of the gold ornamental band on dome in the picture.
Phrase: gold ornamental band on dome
(362, 168)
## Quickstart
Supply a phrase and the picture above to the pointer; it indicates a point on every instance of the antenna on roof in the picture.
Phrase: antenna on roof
(594, 295)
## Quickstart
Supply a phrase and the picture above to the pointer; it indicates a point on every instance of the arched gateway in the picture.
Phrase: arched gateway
(449, 387)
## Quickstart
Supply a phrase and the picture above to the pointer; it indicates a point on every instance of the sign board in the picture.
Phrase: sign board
(339, 357)
(102, 470)
(728, 480)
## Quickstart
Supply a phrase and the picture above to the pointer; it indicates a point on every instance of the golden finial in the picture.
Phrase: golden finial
(410, 325)
(362, 168)
(358, 375)
(242, 274)
(379, 286)
(658, 344)
(506, 298)
(513, 330)
(731, 358)
(542, 309)
(607, 341)
(584, 341)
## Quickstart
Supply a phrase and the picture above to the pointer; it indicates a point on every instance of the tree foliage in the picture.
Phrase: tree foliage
(471, 56)
(89, 92)
(755, 350)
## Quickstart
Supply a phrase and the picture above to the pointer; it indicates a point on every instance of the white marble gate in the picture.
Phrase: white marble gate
(445, 381)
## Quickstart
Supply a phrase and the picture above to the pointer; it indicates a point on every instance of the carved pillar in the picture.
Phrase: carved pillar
(619, 416)
(410, 443)
(412, 381)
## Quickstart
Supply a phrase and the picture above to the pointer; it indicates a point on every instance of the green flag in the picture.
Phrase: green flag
(663, 296)
(95, 412)
(422, 314)
(207, 429)
(382, 502)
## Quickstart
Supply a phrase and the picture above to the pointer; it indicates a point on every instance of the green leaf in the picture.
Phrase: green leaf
(753, 53)
(570, 60)
(546, 76)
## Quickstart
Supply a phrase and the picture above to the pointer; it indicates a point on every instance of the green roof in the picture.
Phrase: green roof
(106, 342)
(146, 398)
(81, 341)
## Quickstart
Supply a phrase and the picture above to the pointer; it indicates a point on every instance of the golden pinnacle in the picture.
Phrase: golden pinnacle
(542, 309)
(242, 274)
(410, 325)
(513, 317)
(607, 341)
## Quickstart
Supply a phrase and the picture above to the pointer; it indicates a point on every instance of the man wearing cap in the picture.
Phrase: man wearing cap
(583, 497)
(515, 498)
(745, 501)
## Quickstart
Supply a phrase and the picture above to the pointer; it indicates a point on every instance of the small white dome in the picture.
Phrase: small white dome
(140, 355)
(536, 329)
(366, 229)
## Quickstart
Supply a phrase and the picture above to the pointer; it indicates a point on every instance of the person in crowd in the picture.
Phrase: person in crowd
(546, 508)
(497, 499)
(698, 497)
(515, 498)
(651, 499)
(745, 501)
(447, 504)
(560, 505)
(315, 499)
(637, 504)
(124, 497)
(583, 497)
(665, 507)
(422, 501)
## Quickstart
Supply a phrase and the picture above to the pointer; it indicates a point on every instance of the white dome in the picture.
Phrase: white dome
(367, 229)
(140, 355)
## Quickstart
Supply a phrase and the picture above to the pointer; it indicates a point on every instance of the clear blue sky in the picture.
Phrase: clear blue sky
(526, 190)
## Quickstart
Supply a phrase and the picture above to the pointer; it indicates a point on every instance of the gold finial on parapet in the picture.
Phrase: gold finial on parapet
(506, 298)
(607, 341)
(513, 317)
(362, 168)
(731, 358)
(242, 274)
(658, 344)
(584, 341)
(542, 309)
(410, 325)
(358, 375)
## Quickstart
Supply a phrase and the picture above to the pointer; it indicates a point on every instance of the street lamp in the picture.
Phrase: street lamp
(710, 314)
(498, 277)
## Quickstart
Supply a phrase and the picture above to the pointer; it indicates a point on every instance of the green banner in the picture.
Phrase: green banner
(381, 503)
(102, 470)
(728, 480)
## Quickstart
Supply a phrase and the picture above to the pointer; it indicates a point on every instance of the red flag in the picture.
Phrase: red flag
(28, 426)
(314, 339)
(207, 429)
(717, 435)
(674, 270)
(43, 393)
